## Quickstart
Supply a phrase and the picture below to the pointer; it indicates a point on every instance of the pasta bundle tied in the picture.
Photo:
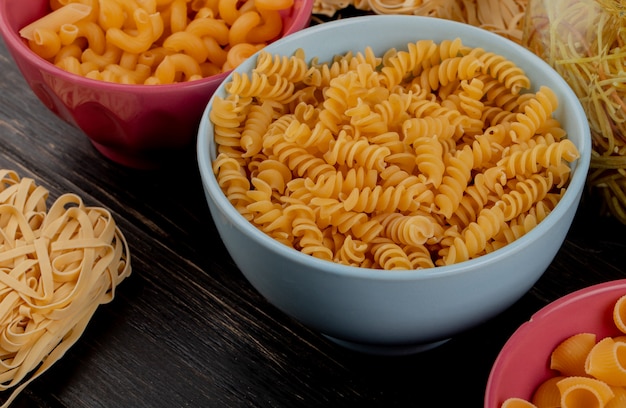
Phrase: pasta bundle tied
(421, 157)
(57, 265)
(584, 41)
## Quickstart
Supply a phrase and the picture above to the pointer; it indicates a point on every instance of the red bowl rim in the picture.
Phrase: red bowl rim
(545, 318)
(17, 44)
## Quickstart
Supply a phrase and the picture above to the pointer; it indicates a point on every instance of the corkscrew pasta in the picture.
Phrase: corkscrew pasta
(153, 43)
(588, 372)
(391, 161)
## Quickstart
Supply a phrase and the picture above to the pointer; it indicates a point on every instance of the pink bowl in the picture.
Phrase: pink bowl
(523, 363)
(134, 125)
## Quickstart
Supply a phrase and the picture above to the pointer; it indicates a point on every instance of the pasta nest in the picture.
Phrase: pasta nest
(57, 266)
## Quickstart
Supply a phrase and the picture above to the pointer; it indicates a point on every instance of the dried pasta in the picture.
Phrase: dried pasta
(587, 372)
(387, 170)
(153, 43)
(58, 264)
(504, 17)
(584, 42)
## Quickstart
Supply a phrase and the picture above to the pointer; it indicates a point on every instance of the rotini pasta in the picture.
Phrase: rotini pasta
(388, 159)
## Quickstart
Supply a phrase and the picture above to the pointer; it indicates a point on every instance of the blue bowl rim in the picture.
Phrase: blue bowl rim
(571, 197)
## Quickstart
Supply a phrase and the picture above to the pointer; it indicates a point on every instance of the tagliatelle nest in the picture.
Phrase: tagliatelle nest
(504, 17)
(57, 266)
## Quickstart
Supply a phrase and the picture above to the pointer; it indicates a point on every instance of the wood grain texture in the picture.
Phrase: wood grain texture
(187, 330)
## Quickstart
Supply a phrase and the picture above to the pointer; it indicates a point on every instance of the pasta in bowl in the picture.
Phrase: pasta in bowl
(136, 76)
(376, 185)
(554, 357)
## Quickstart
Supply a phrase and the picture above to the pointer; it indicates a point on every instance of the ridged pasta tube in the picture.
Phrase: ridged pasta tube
(147, 33)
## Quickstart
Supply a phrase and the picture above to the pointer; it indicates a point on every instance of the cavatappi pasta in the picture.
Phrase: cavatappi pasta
(153, 42)
(417, 158)
(588, 372)
(58, 265)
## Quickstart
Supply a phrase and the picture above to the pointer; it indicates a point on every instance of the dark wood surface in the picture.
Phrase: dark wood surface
(187, 330)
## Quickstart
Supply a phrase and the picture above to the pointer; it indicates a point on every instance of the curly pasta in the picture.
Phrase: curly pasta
(94, 38)
(364, 163)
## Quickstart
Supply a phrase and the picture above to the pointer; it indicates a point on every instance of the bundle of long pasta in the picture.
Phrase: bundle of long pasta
(504, 17)
(57, 266)
(584, 41)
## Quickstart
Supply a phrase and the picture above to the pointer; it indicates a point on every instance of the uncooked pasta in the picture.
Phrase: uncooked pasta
(504, 17)
(420, 157)
(588, 372)
(58, 265)
(584, 41)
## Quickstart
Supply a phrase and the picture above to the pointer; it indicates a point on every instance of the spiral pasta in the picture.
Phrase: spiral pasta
(413, 159)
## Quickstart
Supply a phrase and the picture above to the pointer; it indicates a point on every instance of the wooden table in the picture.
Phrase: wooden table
(187, 330)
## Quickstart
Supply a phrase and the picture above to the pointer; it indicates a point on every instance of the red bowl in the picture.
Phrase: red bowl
(134, 125)
(523, 362)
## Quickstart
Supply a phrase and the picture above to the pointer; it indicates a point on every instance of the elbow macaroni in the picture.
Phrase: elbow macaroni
(107, 39)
